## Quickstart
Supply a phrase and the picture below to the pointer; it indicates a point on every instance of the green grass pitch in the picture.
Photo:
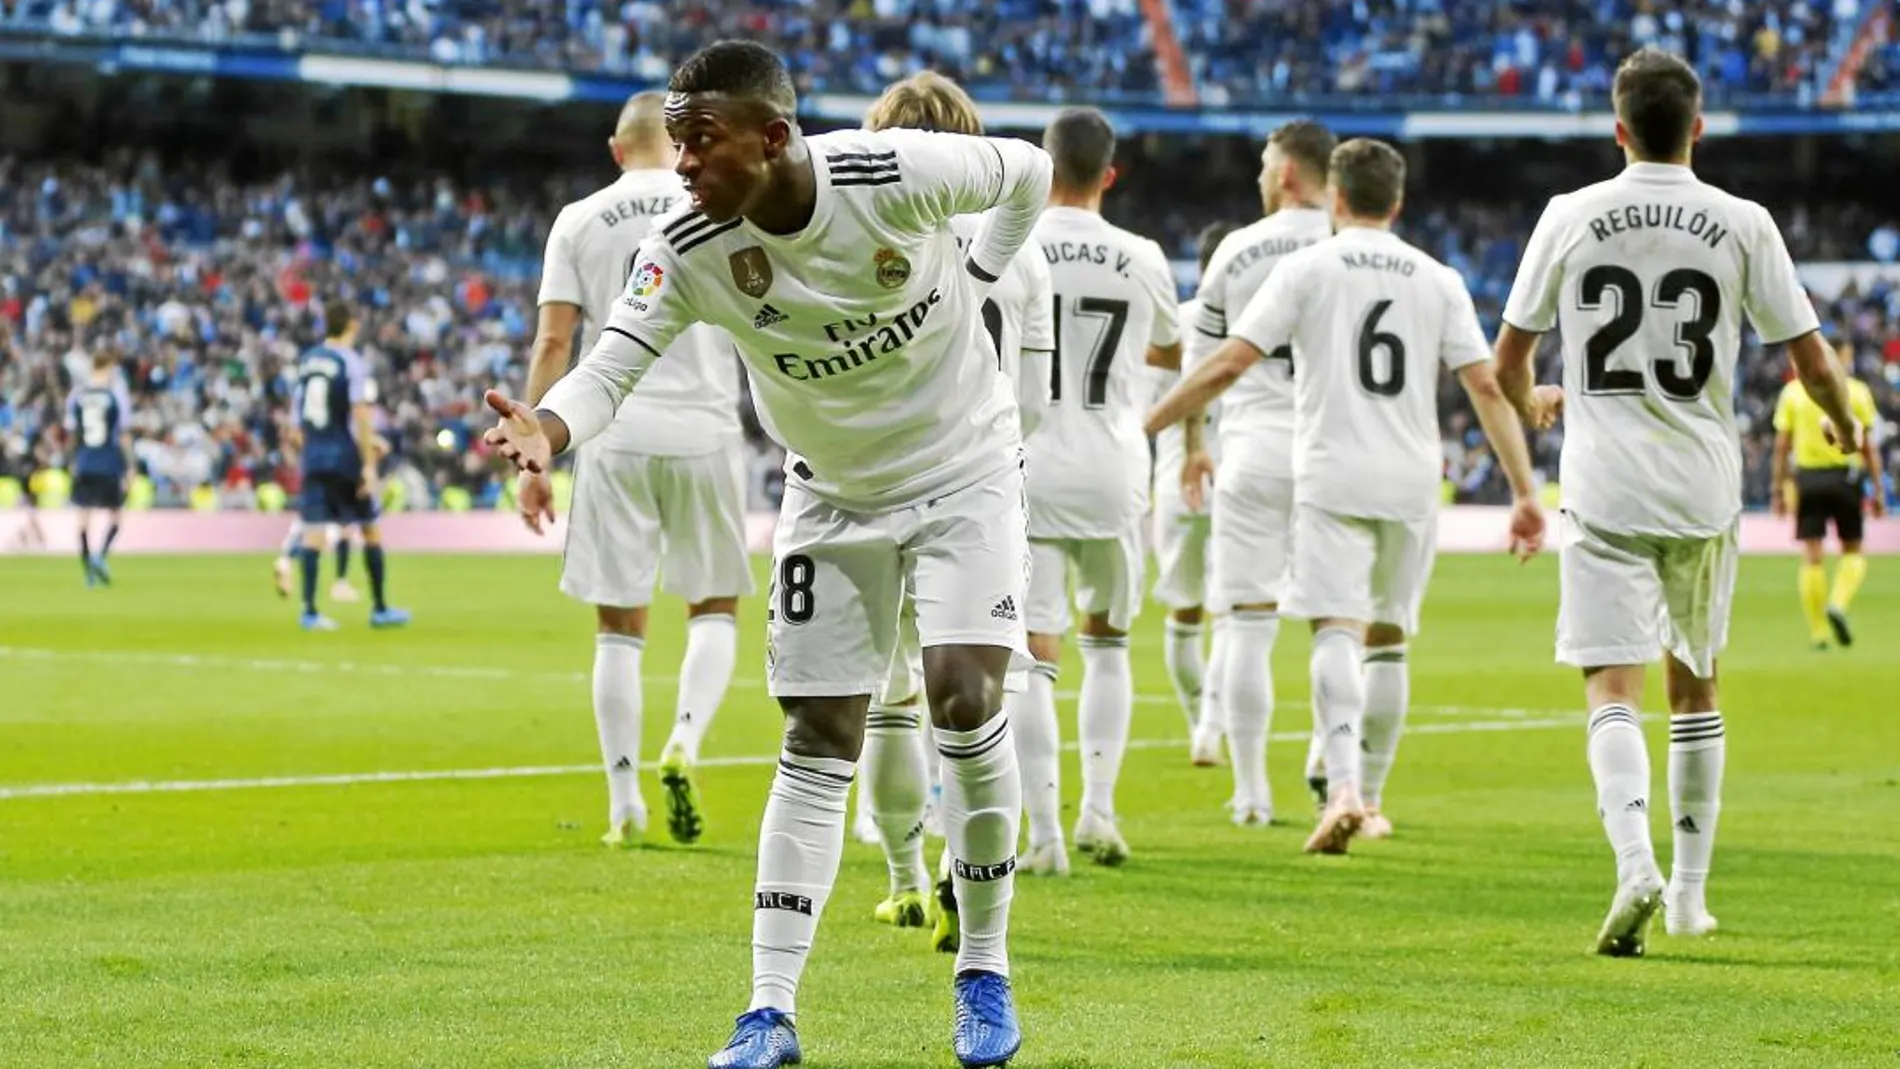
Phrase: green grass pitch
(476, 922)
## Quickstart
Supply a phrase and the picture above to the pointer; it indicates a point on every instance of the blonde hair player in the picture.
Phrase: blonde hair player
(898, 767)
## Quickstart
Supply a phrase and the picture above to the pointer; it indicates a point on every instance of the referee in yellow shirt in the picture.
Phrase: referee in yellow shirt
(1827, 487)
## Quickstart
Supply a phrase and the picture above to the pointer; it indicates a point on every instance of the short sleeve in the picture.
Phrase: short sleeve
(653, 309)
(1039, 312)
(1776, 301)
(560, 267)
(1159, 280)
(1532, 305)
(1463, 342)
(1784, 409)
(1270, 317)
(1211, 319)
(1861, 399)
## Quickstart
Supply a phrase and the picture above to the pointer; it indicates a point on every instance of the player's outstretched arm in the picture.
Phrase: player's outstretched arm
(1826, 383)
(1506, 434)
(1206, 382)
(1026, 175)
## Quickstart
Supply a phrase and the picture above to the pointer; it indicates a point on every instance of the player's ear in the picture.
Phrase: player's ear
(1695, 132)
(1623, 134)
(613, 149)
(775, 135)
(1397, 207)
(1109, 176)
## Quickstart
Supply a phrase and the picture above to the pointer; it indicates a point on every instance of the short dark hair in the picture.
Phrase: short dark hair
(740, 69)
(1308, 144)
(1082, 144)
(1657, 98)
(1371, 175)
(1210, 238)
(336, 318)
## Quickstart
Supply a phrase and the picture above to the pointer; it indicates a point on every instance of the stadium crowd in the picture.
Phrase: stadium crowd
(1550, 51)
(206, 288)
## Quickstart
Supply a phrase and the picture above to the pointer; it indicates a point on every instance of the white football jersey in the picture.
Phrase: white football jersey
(862, 331)
(689, 405)
(1648, 276)
(1259, 406)
(1114, 297)
(1171, 443)
(1018, 314)
(1370, 320)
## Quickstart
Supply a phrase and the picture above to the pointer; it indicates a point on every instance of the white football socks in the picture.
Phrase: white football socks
(801, 839)
(1038, 735)
(617, 707)
(1182, 654)
(1213, 713)
(1697, 750)
(1248, 697)
(712, 643)
(1620, 764)
(894, 785)
(1339, 701)
(983, 803)
(1388, 693)
(1107, 706)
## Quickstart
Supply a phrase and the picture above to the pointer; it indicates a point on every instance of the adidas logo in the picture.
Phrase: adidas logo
(1005, 609)
(623, 764)
(1636, 805)
(1688, 824)
(767, 317)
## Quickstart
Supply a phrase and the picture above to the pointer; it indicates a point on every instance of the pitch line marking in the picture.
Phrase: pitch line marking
(192, 661)
(66, 790)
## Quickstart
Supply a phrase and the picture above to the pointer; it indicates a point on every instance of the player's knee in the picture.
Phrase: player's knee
(831, 728)
(1188, 616)
(1689, 693)
(965, 700)
(1613, 684)
(1045, 648)
(372, 535)
(1813, 551)
(616, 621)
(1379, 635)
(1096, 625)
(713, 607)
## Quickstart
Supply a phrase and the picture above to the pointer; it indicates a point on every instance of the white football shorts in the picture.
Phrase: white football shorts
(839, 580)
(1626, 598)
(1106, 574)
(1180, 540)
(1355, 568)
(638, 518)
(1252, 536)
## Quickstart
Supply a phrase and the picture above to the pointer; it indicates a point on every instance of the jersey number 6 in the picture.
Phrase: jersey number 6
(1371, 340)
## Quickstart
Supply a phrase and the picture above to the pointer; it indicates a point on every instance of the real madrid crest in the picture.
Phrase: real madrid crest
(751, 271)
(892, 269)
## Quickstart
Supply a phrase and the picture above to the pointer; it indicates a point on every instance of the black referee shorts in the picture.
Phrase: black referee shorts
(1824, 496)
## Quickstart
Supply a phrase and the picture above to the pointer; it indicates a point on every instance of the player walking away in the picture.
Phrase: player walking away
(1828, 487)
(830, 259)
(659, 494)
(1369, 320)
(339, 462)
(1180, 537)
(1017, 315)
(338, 537)
(1088, 468)
(99, 415)
(1253, 491)
(1647, 276)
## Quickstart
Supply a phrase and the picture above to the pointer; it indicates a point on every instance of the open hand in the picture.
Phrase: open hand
(517, 435)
